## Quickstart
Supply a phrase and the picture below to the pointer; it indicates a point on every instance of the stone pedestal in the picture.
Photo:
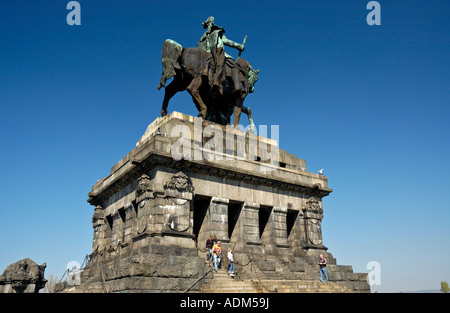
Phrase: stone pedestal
(24, 276)
(186, 180)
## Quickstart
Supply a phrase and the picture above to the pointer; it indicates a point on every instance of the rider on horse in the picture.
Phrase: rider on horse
(233, 79)
(213, 41)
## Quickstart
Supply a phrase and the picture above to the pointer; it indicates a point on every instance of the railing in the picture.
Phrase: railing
(199, 279)
(70, 272)
(254, 270)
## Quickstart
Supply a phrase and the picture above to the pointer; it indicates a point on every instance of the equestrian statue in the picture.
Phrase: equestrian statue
(216, 81)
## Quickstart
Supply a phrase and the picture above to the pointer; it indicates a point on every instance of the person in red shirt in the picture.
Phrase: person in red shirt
(217, 252)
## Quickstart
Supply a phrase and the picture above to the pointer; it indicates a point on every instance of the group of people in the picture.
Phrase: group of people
(215, 255)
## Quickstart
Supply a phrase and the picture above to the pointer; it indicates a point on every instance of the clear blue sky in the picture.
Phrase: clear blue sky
(369, 104)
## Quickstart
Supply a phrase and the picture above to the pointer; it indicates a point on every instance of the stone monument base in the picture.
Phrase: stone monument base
(24, 276)
(189, 179)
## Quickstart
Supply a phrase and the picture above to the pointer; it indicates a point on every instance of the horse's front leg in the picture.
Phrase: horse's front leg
(248, 111)
(237, 115)
(193, 90)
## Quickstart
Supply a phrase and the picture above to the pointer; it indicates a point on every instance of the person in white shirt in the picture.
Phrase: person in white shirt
(230, 262)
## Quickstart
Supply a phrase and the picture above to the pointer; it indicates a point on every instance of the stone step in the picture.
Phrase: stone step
(229, 281)
(289, 276)
(266, 286)
(247, 289)
(285, 286)
(335, 273)
(224, 283)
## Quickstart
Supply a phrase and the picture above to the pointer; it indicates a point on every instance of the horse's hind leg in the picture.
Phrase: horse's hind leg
(193, 90)
(170, 91)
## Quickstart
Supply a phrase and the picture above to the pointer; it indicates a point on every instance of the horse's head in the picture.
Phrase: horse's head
(252, 79)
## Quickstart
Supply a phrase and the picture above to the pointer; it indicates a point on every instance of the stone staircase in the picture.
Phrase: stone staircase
(286, 280)
(223, 283)
(275, 277)
(279, 280)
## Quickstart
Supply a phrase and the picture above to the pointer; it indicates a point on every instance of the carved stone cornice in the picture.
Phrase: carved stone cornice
(143, 161)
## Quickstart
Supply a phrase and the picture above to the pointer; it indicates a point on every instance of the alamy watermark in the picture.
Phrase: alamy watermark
(74, 16)
(208, 144)
(374, 16)
(73, 270)
(374, 276)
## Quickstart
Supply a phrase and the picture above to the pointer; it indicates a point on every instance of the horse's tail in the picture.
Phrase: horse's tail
(171, 54)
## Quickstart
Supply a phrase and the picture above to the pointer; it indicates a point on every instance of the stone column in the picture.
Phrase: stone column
(99, 224)
(218, 218)
(280, 227)
(296, 237)
(246, 237)
(274, 237)
(116, 231)
(215, 222)
(130, 216)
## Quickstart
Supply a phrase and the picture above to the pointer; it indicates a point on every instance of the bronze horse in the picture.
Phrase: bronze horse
(190, 68)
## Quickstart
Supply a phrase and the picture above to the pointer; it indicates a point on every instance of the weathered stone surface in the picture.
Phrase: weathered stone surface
(153, 214)
(24, 276)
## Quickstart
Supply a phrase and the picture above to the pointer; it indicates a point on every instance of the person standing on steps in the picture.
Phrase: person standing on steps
(217, 252)
(230, 262)
(209, 248)
(323, 268)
